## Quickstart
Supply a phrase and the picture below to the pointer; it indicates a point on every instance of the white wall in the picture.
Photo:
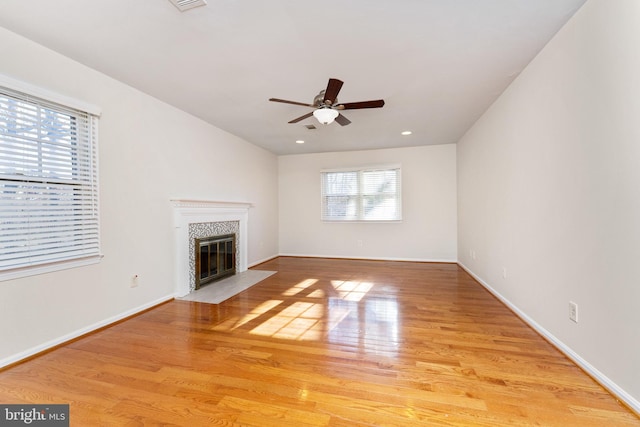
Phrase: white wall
(149, 153)
(428, 229)
(549, 188)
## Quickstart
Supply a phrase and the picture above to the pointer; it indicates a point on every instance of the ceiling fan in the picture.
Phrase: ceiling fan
(327, 108)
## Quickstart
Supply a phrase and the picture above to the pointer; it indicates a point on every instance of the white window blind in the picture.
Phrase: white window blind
(48, 182)
(367, 194)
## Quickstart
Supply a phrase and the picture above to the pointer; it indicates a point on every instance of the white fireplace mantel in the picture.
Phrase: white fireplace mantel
(187, 212)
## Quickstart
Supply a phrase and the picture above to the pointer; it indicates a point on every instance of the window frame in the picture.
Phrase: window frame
(361, 194)
(61, 181)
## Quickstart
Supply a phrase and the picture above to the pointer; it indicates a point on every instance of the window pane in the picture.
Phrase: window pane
(341, 183)
(379, 207)
(48, 182)
(383, 181)
(341, 207)
(364, 194)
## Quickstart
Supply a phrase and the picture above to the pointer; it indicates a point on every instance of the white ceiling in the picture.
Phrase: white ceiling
(438, 64)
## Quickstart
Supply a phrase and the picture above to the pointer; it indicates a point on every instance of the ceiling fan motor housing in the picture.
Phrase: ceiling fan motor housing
(319, 100)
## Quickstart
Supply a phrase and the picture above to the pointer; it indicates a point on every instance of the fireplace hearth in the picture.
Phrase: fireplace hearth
(215, 258)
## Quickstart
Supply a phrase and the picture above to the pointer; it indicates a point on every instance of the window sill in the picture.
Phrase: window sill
(48, 268)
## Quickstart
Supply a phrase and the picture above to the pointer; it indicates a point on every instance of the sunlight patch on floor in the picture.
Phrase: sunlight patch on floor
(235, 323)
(321, 309)
(299, 321)
(296, 289)
(351, 290)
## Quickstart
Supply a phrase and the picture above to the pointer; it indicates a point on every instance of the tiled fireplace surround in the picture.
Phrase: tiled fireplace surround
(200, 218)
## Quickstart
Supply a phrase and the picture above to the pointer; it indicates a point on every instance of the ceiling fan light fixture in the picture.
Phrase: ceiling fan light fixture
(325, 115)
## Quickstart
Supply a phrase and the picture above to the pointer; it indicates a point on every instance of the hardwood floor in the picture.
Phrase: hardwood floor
(322, 343)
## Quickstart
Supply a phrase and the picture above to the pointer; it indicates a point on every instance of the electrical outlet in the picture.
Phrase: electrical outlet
(573, 311)
(504, 272)
(359, 242)
(134, 281)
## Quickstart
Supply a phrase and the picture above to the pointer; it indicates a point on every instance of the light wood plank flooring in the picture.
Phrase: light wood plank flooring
(322, 343)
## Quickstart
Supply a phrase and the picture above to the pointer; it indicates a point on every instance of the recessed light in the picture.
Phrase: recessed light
(406, 132)
(299, 141)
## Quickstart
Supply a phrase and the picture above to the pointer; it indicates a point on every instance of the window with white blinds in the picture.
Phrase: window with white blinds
(48, 183)
(366, 194)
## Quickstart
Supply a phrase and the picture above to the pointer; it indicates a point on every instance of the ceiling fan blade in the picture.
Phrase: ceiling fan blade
(301, 117)
(363, 104)
(342, 120)
(284, 101)
(331, 93)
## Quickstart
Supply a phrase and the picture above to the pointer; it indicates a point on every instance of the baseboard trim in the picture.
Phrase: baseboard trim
(49, 345)
(262, 261)
(433, 260)
(598, 376)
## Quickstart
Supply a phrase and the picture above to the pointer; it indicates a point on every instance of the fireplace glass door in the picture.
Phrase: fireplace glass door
(215, 258)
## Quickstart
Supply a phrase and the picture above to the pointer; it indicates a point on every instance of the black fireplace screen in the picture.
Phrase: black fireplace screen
(215, 258)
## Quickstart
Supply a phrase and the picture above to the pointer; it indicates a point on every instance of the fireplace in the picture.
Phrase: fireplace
(197, 219)
(215, 258)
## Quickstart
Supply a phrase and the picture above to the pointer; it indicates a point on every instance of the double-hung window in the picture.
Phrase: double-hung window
(48, 185)
(362, 194)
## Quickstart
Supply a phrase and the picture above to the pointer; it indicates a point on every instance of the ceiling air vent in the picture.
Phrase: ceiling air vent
(310, 127)
(184, 5)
